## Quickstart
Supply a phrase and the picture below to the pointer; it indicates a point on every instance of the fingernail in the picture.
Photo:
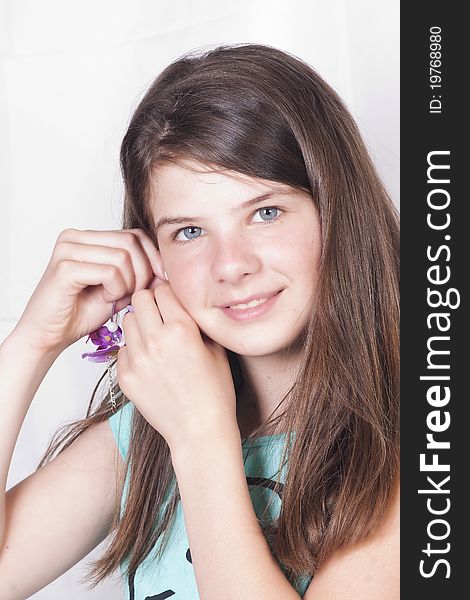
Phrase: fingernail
(130, 308)
(166, 276)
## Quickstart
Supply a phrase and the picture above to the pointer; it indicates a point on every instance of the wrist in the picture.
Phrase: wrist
(17, 345)
(191, 443)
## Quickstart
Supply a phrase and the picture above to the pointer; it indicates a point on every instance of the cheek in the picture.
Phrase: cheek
(300, 252)
(304, 259)
(186, 280)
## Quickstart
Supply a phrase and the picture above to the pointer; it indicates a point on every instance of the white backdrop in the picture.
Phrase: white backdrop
(71, 74)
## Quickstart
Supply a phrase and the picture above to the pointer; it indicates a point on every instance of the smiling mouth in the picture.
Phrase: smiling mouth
(253, 302)
(248, 304)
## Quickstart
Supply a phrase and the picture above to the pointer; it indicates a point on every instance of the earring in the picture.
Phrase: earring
(109, 339)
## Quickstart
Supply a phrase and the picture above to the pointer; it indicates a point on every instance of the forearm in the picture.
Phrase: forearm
(21, 372)
(230, 555)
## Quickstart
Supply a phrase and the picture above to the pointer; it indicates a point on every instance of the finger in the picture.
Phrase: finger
(147, 313)
(132, 336)
(216, 349)
(153, 253)
(124, 239)
(122, 365)
(169, 306)
(75, 276)
(105, 255)
(155, 281)
(213, 347)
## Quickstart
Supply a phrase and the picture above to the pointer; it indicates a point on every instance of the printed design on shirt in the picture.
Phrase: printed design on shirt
(263, 482)
(161, 596)
(267, 483)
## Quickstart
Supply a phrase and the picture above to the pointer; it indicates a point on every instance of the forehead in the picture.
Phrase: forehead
(192, 184)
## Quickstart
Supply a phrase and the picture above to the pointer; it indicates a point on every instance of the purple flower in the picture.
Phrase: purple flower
(108, 343)
(103, 338)
(100, 356)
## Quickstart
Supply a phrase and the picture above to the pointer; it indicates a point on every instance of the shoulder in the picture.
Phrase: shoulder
(369, 569)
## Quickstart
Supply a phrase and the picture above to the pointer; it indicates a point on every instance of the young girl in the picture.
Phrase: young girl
(254, 417)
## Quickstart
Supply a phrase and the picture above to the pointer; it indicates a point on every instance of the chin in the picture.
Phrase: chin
(256, 345)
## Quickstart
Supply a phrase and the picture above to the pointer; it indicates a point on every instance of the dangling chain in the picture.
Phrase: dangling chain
(108, 338)
(112, 327)
(111, 386)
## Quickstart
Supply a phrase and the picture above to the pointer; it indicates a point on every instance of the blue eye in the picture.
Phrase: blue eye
(190, 233)
(268, 213)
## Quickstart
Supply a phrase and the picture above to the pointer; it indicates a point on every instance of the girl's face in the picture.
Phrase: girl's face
(241, 255)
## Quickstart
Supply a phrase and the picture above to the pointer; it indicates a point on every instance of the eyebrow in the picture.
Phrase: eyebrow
(181, 220)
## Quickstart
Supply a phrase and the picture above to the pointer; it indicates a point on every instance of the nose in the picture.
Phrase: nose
(234, 259)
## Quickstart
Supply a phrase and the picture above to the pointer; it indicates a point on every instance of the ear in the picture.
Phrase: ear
(155, 258)
(155, 281)
(158, 266)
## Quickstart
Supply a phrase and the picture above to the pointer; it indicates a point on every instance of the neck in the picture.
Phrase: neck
(267, 380)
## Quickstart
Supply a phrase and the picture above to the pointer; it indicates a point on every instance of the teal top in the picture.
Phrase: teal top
(174, 574)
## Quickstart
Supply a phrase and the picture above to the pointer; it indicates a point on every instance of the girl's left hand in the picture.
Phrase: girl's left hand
(180, 382)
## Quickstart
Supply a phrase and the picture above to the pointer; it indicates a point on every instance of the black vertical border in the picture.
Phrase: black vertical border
(421, 133)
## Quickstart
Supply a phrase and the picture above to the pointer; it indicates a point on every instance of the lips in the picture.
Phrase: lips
(261, 296)
(251, 307)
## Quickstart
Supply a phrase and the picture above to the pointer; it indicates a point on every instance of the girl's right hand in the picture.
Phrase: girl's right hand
(87, 272)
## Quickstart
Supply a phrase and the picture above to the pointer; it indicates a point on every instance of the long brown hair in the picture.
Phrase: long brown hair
(261, 112)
